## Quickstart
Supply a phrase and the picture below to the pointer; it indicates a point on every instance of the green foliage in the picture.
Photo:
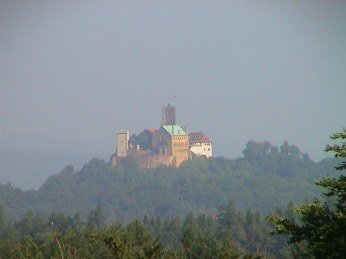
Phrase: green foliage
(132, 241)
(199, 244)
(2, 218)
(30, 224)
(201, 236)
(96, 219)
(165, 198)
(339, 148)
(319, 225)
(28, 248)
(143, 139)
(265, 178)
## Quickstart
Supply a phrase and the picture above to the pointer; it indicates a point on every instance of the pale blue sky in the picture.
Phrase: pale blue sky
(74, 73)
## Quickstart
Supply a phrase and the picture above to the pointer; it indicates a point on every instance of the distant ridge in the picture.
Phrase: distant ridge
(265, 178)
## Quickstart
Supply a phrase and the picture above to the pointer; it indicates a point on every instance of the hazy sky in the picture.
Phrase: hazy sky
(74, 73)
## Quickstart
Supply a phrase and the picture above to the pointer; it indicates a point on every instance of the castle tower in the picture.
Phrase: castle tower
(122, 143)
(168, 115)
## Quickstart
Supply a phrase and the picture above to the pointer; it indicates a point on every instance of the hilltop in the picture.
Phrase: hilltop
(266, 177)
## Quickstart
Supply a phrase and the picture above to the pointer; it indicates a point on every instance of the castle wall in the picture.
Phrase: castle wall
(202, 149)
(180, 148)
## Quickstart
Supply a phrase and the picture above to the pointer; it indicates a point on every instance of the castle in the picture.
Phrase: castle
(169, 145)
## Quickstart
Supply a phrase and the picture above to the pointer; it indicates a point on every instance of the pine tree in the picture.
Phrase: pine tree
(319, 225)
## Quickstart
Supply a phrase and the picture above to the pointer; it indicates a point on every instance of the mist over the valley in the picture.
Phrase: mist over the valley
(172, 129)
(73, 74)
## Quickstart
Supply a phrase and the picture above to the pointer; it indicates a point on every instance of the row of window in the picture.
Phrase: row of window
(180, 138)
(181, 144)
(182, 150)
(202, 143)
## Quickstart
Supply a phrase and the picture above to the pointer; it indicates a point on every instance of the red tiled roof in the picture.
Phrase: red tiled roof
(152, 131)
(198, 137)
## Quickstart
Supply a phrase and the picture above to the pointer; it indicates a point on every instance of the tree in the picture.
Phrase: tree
(29, 249)
(2, 219)
(230, 220)
(321, 226)
(30, 224)
(96, 220)
(132, 241)
(256, 151)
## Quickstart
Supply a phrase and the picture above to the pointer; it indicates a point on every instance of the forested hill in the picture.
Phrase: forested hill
(266, 177)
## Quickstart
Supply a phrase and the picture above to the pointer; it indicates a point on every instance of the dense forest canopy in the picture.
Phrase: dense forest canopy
(266, 177)
(230, 233)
